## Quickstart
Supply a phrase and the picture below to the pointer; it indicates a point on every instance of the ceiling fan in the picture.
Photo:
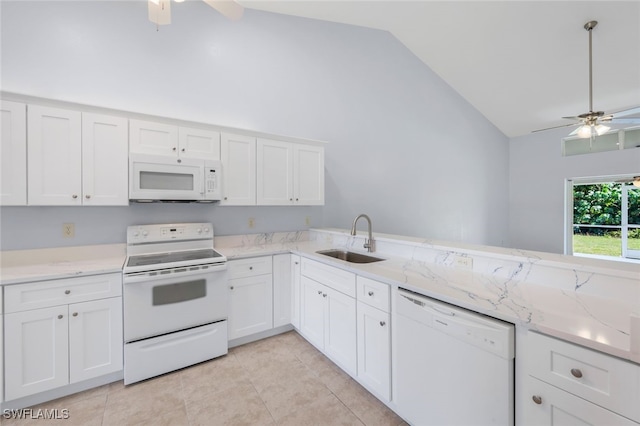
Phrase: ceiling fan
(160, 10)
(591, 122)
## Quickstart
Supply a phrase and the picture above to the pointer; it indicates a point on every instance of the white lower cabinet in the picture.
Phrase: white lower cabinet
(374, 349)
(55, 346)
(281, 290)
(250, 296)
(548, 405)
(328, 321)
(566, 384)
(95, 338)
(295, 291)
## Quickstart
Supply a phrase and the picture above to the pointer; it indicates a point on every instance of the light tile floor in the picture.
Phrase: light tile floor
(282, 380)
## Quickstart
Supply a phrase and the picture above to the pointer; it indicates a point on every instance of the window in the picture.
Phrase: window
(606, 219)
(614, 140)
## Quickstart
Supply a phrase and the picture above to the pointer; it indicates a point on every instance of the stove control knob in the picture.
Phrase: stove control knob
(206, 230)
(136, 233)
(199, 230)
(145, 233)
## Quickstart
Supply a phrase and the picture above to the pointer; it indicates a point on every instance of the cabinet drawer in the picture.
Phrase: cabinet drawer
(602, 379)
(337, 279)
(373, 293)
(42, 294)
(250, 267)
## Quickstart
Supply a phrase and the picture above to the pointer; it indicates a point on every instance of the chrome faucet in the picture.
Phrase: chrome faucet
(369, 244)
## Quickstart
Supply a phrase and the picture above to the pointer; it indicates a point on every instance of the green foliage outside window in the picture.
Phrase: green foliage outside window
(601, 204)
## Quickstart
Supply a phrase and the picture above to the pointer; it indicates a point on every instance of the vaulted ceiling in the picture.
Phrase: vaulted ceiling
(523, 64)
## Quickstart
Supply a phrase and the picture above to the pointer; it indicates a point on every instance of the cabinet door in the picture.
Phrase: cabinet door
(281, 289)
(55, 157)
(308, 174)
(312, 311)
(340, 337)
(238, 156)
(105, 165)
(250, 305)
(148, 137)
(374, 349)
(13, 154)
(36, 360)
(274, 173)
(295, 291)
(553, 406)
(199, 143)
(95, 338)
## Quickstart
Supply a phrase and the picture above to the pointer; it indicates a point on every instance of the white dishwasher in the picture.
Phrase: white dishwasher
(451, 366)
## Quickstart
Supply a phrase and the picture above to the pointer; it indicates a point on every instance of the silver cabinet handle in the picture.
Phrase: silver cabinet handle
(231, 288)
(296, 262)
(67, 292)
(74, 196)
(182, 149)
(537, 399)
(575, 372)
(75, 314)
(297, 199)
(251, 268)
(59, 316)
(382, 323)
(324, 294)
(290, 199)
(87, 196)
(225, 198)
(174, 148)
(370, 293)
(319, 291)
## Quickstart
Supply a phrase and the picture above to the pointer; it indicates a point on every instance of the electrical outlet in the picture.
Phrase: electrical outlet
(68, 230)
(463, 262)
(307, 220)
(252, 222)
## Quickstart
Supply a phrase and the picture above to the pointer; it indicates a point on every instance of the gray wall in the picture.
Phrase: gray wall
(404, 147)
(538, 173)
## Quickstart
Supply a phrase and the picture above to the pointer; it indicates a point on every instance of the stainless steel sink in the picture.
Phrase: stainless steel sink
(349, 256)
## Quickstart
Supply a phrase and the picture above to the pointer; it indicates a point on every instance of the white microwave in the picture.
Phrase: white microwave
(163, 178)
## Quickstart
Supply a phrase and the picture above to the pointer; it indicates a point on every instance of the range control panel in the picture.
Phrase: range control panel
(169, 232)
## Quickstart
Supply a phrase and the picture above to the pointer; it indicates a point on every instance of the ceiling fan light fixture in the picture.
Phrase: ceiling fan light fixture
(585, 131)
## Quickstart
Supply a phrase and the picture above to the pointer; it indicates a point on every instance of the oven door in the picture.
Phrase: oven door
(168, 300)
(153, 177)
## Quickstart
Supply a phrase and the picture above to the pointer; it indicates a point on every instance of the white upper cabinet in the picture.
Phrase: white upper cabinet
(289, 173)
(308, 174)
(55, 156)
(105, 165)
(149, 137)
(76, 158)
(13, 154)
(274, 173)
(199, 143)
(238, 155)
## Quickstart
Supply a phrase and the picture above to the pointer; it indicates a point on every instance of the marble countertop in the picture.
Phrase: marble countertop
(21, 266)
(600, 323)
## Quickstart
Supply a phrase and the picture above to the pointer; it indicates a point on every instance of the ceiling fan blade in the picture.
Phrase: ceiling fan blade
(573, 118)
(625, 112)
(556, 127)
(229, 8)
(615, 120)
(160, 11)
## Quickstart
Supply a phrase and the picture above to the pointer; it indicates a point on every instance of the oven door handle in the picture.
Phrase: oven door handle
(138, 277)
